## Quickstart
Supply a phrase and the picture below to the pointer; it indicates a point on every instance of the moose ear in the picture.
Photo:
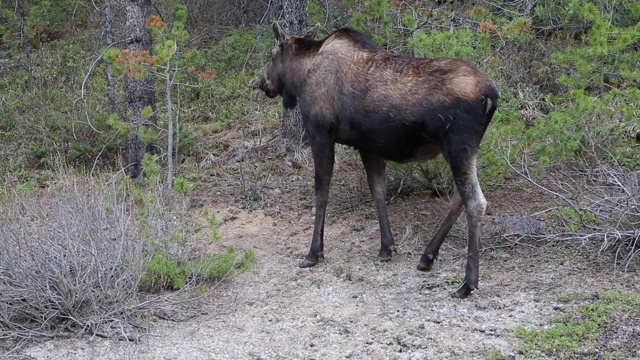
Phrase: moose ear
(277, 31)
(311, 34)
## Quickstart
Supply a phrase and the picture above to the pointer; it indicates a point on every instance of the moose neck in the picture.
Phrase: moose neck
(302, 57)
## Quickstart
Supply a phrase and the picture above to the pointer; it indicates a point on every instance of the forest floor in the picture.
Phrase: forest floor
(350, 305)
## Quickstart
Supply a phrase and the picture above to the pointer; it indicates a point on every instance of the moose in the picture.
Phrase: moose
(351, 91)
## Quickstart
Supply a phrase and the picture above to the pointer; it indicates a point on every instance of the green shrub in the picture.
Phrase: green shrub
(165, 273)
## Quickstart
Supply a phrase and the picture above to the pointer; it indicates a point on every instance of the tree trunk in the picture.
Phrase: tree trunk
(273, 12)
(140, 92)
(295, 23)
(111, 92)
(167, 83)
(24, 43)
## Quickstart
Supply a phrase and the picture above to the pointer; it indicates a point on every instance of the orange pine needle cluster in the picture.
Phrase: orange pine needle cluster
(489, 27)
(524, 26)
(476, 10)
(132, 62)
(155, 21)
(207, 75)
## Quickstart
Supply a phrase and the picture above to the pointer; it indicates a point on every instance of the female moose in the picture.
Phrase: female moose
(351, 91)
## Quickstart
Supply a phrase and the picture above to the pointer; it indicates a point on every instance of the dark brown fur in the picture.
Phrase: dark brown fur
(351, 91)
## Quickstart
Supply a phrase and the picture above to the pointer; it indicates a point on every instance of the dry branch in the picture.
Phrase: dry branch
(604, 198)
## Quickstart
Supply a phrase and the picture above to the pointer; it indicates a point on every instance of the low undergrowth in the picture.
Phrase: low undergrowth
(162, 272)
(602, 326)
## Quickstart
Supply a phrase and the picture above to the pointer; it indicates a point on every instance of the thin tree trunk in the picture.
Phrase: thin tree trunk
(295, 23)
(24, 43)
(167, 81)
(111, 93)
(140, 92)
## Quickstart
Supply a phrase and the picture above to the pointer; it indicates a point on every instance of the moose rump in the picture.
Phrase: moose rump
(350, 91)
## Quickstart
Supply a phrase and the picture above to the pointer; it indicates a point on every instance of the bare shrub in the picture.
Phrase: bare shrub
(71, 261)
(77, 254)
(596, 200)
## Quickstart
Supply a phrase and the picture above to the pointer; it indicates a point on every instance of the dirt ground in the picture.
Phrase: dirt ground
(350, 305)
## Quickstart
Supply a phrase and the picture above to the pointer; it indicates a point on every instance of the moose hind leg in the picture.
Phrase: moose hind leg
(475, 205)
(375, 168)
(432, 249)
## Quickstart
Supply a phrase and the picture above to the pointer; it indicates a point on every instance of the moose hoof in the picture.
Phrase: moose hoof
(385, 254)
(463, 291)
(311, 260)
(426, 263)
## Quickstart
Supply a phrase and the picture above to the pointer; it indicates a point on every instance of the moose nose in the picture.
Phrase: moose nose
(261, 83)
(265, 86)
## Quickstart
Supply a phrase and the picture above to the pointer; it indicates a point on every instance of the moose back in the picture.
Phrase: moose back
(351, 91)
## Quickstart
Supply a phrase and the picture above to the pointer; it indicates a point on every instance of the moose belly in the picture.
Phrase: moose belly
(421, 153)
(398, 144)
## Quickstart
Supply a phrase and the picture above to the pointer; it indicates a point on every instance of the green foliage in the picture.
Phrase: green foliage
(603, 57)
(433, 175)
(212, 222)
(174, 66)
(438, 44)
(598, 108)
(568, 297)
(579, 328)
(495, 354)
(181, 185)
(117, 124)
(373, 18)
(215, 97)
(48, 122)
(179, 17)
(316, 12)
(240, 50)
(455, 280)
(409, 20)
(575, 219)
(151, 167)
(165, 273)
(588, 126)
(171, 234)
(44, 21)
(162, 273)
(167, 43)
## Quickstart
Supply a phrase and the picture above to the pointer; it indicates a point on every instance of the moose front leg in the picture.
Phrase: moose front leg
(323, 159)
(375, 168)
